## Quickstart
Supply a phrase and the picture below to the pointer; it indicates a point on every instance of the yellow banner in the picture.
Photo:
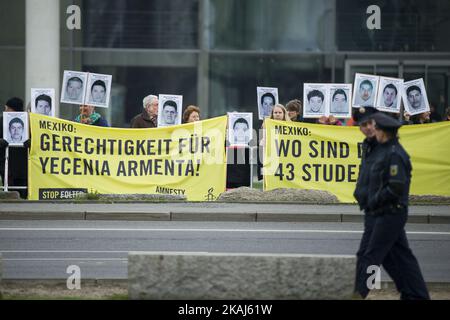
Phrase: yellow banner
(67, 158)
(312, 156)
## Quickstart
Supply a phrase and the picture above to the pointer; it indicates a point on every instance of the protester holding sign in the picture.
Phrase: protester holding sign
(191, 114)
(149, 116)
(279, 112)
(295, 109)
(89, 116)
(18, 156)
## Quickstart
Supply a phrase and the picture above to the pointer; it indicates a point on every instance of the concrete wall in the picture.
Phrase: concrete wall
(171, 275)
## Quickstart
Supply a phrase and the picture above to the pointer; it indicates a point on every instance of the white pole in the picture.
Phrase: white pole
(42, 47)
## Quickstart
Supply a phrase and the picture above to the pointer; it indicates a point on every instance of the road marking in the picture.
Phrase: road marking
(65, 259)
(209, 230)
(62, 251)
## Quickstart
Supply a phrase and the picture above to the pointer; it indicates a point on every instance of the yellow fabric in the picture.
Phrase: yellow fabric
(321, 157)
(67, 157)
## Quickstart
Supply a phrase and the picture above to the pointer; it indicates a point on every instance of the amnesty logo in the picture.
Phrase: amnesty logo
(210, 196)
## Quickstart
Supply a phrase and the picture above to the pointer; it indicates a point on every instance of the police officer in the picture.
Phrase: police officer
(363, 118)
(387, 204)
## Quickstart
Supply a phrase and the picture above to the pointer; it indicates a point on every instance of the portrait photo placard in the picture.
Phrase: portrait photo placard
(267, 98)
(15, 127)
(98, 90)
(340, 104)
(315, 100)
(169, 110)
(365, 90)
(240, 128)
(43, 101)
(415, 97)
(73, 88)
(389, 95)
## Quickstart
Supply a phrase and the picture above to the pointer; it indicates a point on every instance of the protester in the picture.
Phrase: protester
(18, 156)
(89, 116)
(295, 111)
(386, 201)
(279, 112)
(191, 114)
(149, 116)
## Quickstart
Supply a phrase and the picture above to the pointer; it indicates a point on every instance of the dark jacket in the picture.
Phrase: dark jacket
(101, 122)
(142, 120)
(362, 185)
(389, 179)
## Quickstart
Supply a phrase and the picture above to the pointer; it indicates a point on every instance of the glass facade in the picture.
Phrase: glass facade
(215, 52)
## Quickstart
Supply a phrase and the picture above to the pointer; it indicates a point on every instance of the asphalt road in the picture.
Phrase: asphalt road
(44, 249)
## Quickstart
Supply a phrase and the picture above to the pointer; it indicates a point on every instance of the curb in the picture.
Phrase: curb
(209, 216)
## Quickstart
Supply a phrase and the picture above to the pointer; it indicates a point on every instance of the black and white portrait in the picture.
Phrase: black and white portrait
(15, 127)
(415, 97)
(169, 110)
(73, 87)
(389, 95)
(98, 90)
(340, 100)
(267, 98)
(315, 100)
(43, 101)
(365, 90)
(240, 128)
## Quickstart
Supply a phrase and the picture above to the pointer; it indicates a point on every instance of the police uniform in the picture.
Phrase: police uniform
(362, 185)
(386, 207)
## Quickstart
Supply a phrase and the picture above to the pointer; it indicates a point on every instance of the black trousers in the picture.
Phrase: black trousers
(384, 243)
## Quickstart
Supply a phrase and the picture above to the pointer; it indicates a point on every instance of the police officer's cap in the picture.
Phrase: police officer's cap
(363, 114)
(385, 122)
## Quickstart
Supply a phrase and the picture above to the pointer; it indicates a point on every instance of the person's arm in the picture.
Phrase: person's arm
(395, 186)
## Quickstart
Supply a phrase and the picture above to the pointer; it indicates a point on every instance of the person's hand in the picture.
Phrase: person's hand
(332, 120)
(85, 120)
(407, 116)
(27, 144)
(3, 143)
(323, 120)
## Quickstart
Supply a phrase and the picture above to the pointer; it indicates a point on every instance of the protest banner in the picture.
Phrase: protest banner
(67, 158)
(311, 156)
